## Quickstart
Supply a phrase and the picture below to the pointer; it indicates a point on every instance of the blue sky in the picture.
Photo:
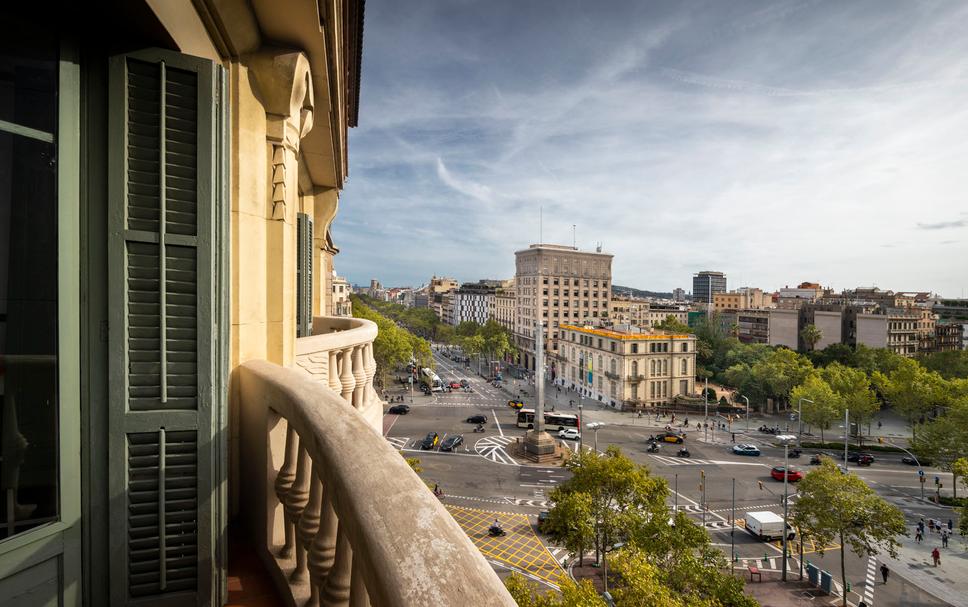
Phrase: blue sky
(775, 141)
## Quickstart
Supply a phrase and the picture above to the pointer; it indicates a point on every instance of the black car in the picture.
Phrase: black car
(477, 419)
(863, 459)
(399, 409)
(910, 461)
(430, 441)
(464, 383)
(452, 442)
(543, 517)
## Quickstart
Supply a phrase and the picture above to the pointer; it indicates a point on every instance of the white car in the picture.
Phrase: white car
(569, 433)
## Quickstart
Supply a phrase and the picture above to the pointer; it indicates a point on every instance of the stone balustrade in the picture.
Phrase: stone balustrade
(335, 513)
(339, 354)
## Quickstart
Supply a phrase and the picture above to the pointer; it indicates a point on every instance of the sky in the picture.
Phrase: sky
(776, 141)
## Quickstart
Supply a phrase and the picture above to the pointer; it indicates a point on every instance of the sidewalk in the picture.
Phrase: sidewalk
(949, 581)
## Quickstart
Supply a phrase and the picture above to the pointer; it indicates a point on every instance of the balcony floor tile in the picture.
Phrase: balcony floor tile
(248, 583)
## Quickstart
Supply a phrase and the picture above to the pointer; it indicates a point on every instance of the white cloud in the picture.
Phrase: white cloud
(468, 188)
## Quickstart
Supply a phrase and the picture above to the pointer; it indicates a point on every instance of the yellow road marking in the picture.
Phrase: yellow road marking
(520, 548)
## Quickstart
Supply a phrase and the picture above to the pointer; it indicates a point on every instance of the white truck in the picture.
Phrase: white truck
(767, 526)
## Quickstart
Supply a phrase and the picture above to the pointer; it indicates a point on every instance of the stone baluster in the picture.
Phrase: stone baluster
(308, 525)
(336, 590)
(322, 553)
(295, 504)
(333, 371)
(358, 594)
(284, 481)
(369, 365)
(346, 378)
(359, 374)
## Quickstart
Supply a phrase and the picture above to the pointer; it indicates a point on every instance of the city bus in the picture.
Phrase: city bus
(430, 379)
(553, 420)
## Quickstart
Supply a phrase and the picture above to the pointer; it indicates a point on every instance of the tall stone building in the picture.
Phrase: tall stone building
(557, 285)
(505, 302)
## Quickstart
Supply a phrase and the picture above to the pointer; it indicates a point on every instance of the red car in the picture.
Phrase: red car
(793, 475)
(455, 385)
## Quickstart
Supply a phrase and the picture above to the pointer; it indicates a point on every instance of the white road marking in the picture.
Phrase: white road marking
(398, 442)
(497, 423)
(492, 448)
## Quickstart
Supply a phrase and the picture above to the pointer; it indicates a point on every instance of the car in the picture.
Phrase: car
(746, 450)
(399, 409)
(454, 385)
(569, 433)
(516, 404)
(464, 383)
(911, 461)
(543, 517)
(477, 419)
(430, 441)
(426, 390)
(452, 442)
(861, 458)
(793, 475)
(815, 458)
(670, 437)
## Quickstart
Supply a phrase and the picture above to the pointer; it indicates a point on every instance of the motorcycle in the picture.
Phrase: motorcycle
(683, 452)
(795, 453)
(479, 428)
(653, 448)
(496, 531)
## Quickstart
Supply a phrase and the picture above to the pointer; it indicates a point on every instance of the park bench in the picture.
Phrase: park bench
(755, 571)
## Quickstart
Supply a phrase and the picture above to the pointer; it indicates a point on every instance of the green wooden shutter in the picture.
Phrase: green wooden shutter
(162, 214)
(304, 275)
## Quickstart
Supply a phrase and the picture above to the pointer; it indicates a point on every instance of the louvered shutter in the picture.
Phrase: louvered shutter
(161, 220)
(304, 275)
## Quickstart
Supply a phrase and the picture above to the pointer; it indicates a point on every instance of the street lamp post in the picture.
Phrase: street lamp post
(785, 440)
(595, 426)
(800, 418)
(881, 439)
(747, 412)
(581, 442)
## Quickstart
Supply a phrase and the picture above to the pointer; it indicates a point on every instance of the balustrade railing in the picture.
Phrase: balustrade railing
(335, 513)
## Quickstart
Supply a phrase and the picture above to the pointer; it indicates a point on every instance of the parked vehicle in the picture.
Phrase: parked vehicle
(792, 474)
(767, 526)
(452, 442)
(569, 433)
(477, 419)
(399, 409)
(430, 441)
(746, 450)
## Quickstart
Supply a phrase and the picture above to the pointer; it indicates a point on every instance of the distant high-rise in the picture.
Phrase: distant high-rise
(558, 284)
(707, 283)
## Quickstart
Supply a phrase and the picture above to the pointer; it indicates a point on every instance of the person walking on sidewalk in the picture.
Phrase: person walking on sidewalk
(944, 538)
(885, 571)
(936, 557)
(919, 535)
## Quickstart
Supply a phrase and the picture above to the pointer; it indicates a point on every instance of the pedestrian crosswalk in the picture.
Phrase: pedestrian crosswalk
(682, 461)
(559, 554)
(870, 581)
(398, 442)
(493, 448)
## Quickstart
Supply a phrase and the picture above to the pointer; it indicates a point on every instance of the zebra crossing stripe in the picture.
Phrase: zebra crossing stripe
(871, 580)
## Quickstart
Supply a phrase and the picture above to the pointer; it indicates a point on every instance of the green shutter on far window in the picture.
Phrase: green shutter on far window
(161, 221)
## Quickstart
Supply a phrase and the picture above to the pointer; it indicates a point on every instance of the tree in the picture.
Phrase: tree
(838, 506)
(811, 335)
(781, 371)
(959, 473)
(910, 388)
(963, 521)
(571, 523)
(948, 364)
(573, 594)
(854, 389)
(671, 324)
(821, 405)
(944, 440)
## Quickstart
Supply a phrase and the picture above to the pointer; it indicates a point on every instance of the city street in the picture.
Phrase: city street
(481, 481)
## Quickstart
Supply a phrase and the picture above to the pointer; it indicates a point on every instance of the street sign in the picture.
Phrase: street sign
(920, 472)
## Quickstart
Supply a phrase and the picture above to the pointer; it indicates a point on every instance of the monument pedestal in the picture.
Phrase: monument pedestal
(540, 447)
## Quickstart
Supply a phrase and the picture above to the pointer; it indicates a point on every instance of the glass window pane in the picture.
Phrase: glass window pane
(28, 73)
(28, 334)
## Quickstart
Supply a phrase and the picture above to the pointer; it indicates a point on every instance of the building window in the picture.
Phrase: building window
(685, 347)
(635, 348)
(685, 367)
(635, 368)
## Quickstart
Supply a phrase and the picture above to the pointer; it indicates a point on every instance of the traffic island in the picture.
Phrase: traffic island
(541, 449)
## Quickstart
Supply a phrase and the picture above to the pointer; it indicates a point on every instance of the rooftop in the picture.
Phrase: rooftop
(633, 333)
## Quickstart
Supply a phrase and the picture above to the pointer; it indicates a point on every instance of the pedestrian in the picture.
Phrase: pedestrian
(879, 424)
(884, 571)
(944, 538)
(919, 535)
(931, 525)
(734, 437)
(951, 525)
(936, 556)
(921, 524)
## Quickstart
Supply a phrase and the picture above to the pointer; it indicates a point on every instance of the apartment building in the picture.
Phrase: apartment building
(626, 366)
(926, 328)
(705, 284)
(341, 304)
(628, 311)
(557, 284)
(949, 336)
(505, 303)
(679, 294)
(441, 284)
(472, 302)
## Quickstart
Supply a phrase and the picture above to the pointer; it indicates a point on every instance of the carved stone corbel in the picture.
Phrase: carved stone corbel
(286, 89)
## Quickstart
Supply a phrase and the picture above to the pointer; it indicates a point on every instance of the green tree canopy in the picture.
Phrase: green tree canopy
(821, 405)
(842, 508)
(944, 440)
(811, 335)
(911, 389)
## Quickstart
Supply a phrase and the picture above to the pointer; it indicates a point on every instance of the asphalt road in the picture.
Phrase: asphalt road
(482, 476)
